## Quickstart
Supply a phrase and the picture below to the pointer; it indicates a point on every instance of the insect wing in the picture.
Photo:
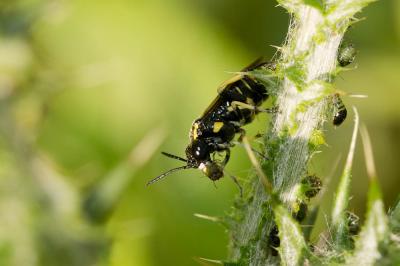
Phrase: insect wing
(256, 64)
(215, 103)
(228, 82)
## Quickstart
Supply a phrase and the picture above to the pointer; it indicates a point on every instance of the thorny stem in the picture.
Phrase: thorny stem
(306, 68)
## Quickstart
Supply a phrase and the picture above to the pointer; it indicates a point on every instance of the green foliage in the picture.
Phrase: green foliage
(293, 249)
(296, 73)
(395, 218)
(373, 239)
(315, 3)
(340, 230)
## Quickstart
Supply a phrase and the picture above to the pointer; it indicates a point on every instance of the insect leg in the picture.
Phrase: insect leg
(272, 110)
(243, 139)
(242, 134)
(258, 136)
(225, 161)
(227, 156)
(237, 104)
(260, 154)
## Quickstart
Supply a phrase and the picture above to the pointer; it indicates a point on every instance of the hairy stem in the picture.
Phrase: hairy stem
(305, 69)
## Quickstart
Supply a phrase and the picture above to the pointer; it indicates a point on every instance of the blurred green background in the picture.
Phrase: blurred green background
(91, 91)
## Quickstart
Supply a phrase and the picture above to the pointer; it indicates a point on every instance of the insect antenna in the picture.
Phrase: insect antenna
(167, 173)
(174, 156)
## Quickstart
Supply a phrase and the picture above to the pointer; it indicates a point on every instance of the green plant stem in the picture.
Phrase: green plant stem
(306, 68)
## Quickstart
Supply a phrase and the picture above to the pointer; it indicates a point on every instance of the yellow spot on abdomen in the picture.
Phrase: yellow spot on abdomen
(217, 126)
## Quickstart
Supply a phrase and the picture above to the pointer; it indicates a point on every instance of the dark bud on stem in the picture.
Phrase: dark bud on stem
(312, 186)
(353, 223)
(300, 209)
(274, 240)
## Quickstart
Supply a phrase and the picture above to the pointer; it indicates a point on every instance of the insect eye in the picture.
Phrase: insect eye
(200, 150)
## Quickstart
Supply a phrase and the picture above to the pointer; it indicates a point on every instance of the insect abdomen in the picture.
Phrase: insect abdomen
(340, 110)
(245, 89)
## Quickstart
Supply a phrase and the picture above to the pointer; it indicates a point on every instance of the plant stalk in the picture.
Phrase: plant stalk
(306, 68)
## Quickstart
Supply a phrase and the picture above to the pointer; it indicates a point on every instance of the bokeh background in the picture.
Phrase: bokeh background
(91, 91)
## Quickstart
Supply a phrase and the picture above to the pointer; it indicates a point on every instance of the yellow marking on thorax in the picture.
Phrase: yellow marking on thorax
(194, 131)
(217, 126)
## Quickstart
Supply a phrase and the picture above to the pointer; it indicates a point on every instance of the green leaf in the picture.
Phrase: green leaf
(340, 232)
(395, 218)
(295, 5)
(375, 230)
(310, 222)
(315, 3)
(295, 73)
(293, 248)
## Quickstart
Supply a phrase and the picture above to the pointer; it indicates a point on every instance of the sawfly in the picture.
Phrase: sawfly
(237, 103)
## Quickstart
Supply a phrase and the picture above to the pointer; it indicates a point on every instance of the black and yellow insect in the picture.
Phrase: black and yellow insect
(238, 101)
